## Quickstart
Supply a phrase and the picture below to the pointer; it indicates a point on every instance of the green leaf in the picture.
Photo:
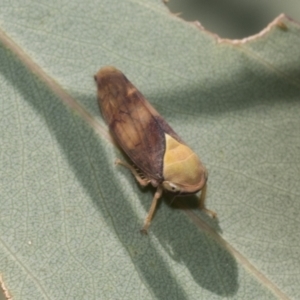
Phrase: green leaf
(70, 219)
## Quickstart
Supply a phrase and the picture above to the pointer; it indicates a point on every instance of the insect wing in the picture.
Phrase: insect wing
(132, 122)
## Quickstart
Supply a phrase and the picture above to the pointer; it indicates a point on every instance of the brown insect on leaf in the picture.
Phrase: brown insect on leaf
(160, 155)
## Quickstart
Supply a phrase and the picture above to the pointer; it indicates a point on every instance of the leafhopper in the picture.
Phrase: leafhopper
(159, 155)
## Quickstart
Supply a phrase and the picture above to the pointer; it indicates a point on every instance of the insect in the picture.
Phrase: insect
(159, 155)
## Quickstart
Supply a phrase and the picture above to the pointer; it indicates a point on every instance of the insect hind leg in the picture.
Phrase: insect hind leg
(141, 180)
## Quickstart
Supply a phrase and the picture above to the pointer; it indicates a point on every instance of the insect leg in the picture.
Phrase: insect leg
(151, 212)
(140, 180)
(202, 203)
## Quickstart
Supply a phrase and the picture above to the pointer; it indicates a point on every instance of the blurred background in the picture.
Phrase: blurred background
(234, 19)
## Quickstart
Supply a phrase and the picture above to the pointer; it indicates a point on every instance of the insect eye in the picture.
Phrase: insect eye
(171, 187)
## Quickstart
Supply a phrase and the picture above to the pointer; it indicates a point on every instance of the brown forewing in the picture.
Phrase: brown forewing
(135, 124)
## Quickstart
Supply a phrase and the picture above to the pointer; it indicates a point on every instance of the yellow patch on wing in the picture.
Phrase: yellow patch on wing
(181, 164)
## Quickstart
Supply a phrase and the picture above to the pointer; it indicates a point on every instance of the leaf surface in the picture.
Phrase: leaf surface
(70, 219)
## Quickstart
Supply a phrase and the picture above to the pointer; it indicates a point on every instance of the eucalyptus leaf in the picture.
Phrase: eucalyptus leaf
(70, 219)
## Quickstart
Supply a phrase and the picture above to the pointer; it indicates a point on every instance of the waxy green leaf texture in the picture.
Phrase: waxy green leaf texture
(70, 219)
